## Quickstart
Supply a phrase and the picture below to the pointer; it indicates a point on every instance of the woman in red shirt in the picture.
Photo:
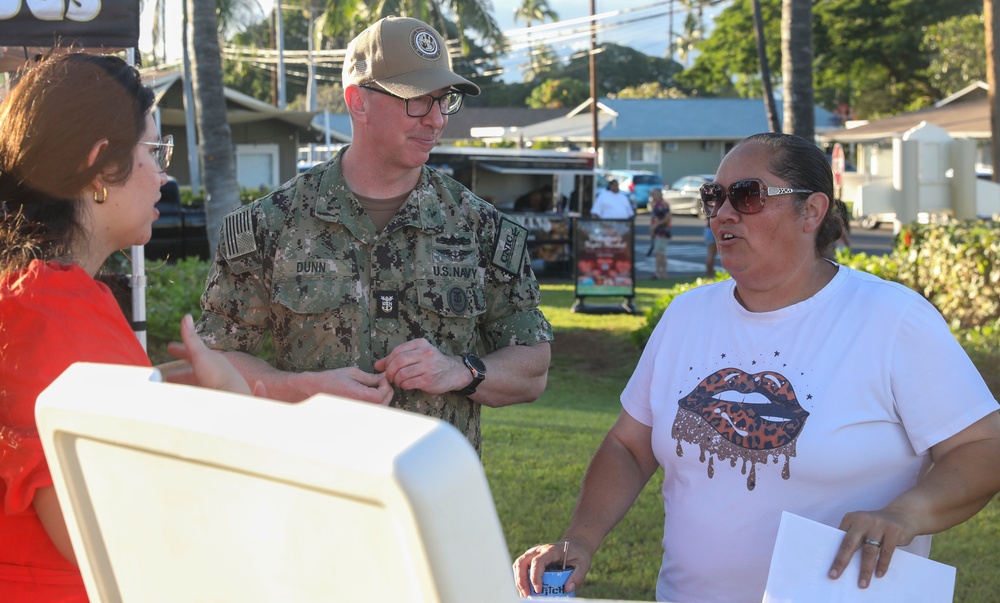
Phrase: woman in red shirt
(81, 165)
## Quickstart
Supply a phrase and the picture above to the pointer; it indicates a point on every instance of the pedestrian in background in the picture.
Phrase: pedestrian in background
(710, 250)
(659, 231)
(377, 277)
(612, 204)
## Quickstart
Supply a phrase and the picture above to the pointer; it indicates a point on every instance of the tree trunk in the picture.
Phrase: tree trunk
(992, 78)
(765, 69)
(796, 68)
(222, 192)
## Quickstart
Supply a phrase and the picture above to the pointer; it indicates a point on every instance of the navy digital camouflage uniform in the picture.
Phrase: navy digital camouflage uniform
(306, 264)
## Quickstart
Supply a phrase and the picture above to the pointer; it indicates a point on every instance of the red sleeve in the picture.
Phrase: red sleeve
(55, 317)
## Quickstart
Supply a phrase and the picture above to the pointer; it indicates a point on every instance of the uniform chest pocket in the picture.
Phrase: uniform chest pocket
(451, 298)
(316, 295)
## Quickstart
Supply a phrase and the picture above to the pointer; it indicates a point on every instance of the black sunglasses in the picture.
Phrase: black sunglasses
(747, 196)
(449, 102)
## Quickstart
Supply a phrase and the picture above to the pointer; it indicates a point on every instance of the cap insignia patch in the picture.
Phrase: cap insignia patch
(425, 44)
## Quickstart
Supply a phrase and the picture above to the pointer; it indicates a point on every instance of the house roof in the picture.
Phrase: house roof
(667, 119)
(965, 114)
(240, 108)
(460, 124)
(619, 120)
(339, 123)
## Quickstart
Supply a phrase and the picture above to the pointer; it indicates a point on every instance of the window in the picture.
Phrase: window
(643, 152)
(257, 165)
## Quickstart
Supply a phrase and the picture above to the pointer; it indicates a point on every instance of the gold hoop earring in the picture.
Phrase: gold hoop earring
(103, 197)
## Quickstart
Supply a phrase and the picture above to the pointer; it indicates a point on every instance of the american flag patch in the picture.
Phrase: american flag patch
(237, 234)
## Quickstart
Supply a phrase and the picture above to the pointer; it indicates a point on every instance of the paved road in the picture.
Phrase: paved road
(686, 254)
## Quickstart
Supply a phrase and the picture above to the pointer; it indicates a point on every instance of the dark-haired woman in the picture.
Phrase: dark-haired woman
(799, 385)
(81, 165)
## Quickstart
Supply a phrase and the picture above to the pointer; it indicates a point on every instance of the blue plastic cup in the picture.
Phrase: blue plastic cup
(554, 581)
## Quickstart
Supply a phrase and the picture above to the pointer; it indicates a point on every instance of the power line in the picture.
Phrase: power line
(560, 37)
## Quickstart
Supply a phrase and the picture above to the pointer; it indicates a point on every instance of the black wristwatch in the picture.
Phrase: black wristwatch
(478, 370)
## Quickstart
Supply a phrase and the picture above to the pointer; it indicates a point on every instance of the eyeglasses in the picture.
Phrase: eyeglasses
(747, 196)
(449, 102)
(163, 151)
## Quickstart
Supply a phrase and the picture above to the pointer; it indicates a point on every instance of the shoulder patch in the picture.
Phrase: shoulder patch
(510, 245)
(237, 234)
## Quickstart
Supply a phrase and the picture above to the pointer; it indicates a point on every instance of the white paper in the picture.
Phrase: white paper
(804, 551)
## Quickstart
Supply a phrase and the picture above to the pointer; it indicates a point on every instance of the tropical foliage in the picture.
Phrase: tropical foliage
(871, 57)
(870, 54)
(534, 11)
(553, 94)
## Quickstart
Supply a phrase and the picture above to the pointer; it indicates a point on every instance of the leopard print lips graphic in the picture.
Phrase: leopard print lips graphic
(735, 415)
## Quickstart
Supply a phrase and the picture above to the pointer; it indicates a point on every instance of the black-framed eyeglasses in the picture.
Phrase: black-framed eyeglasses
(163, 151)
(449, 102)
(747, 196)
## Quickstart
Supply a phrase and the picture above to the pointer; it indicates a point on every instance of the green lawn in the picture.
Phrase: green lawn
(535, 456)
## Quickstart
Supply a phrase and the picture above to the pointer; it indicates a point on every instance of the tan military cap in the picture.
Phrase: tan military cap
(405, 56)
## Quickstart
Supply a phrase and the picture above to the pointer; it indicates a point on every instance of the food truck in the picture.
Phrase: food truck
(544, 190)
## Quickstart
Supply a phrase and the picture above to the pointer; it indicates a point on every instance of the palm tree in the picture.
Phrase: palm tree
(215, 150)
(344, 19)
(237, 15)
(689, 38)
(534, 11)
(233, 16)
(797, 68)
(765, 69)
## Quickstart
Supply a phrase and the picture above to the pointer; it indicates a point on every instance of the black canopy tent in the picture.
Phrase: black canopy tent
(87, 23)
(32, 28)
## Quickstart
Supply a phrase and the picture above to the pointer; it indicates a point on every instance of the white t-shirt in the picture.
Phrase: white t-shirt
(611, 205)
(822, 408)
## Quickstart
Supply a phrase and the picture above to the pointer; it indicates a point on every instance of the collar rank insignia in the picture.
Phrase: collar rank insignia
(387, 304)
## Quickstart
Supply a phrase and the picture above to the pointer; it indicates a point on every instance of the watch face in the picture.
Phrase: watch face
(474, 363)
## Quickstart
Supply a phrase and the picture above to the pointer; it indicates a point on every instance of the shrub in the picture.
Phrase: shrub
(246, 196)
(173, 290)
(641, 335)
(956, 266)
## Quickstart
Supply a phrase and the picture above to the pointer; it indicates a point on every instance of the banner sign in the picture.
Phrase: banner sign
(81, 23)
(603, 257)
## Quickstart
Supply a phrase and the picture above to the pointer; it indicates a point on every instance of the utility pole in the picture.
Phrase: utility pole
(311, 84)
(279, 33)
(194, 162)
(765, 71)
(593, 78)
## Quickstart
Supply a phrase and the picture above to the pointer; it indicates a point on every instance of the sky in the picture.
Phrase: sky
(641, 24)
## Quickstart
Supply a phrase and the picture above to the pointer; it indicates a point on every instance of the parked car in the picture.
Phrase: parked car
(179, 232)
(683, 195)
(635, 184)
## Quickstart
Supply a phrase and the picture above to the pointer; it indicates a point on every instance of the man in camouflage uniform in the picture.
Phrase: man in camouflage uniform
(378, 278)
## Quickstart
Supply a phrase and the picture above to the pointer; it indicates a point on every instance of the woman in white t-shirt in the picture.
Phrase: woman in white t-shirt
(799, 385)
